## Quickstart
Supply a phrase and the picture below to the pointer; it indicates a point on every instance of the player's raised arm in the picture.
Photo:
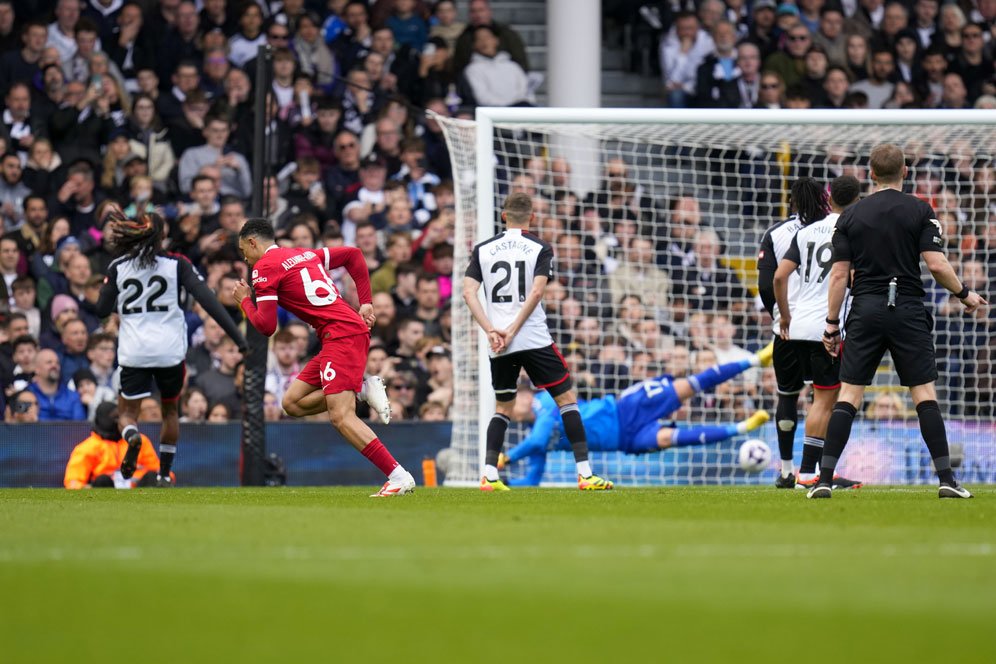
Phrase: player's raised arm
(194, 285)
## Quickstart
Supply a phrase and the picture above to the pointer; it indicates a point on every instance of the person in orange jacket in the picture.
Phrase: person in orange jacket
(95, 461)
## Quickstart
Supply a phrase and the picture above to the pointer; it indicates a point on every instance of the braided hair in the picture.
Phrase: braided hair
(139, 239)
(809, 200)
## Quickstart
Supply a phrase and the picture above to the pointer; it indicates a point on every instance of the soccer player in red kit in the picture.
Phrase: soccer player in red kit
(298, 279)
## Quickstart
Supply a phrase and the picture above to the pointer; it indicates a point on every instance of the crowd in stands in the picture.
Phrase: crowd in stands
(863, 54)
(112, 105)
(117, 105)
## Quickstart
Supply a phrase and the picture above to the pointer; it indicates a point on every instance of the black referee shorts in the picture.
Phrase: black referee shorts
(797, 362)
(872, 328)
(545, 366)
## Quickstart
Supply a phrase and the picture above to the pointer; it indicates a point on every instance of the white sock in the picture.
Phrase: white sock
(397, 474)
(584, 469)
(491, 472)
(787, 467)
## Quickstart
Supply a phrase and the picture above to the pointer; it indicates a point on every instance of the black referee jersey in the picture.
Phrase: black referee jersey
(882, 237)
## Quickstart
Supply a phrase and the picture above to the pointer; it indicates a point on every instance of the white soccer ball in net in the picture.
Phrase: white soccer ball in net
(754, 455)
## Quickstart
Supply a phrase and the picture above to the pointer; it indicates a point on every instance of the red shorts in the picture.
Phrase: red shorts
(339, 366)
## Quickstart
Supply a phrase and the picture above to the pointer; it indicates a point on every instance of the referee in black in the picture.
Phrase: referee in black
(883, 238)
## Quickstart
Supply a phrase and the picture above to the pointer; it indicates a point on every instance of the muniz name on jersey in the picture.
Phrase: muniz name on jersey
(812, 251)
(506, 265)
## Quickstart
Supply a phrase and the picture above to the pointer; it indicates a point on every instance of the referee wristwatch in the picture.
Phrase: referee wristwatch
(963, 293)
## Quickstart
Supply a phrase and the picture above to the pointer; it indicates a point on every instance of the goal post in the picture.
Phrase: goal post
(702, 185)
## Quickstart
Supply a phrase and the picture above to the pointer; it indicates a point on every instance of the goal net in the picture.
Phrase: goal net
(656, 219)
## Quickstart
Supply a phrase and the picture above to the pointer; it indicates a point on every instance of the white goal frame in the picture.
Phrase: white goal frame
(488, 117)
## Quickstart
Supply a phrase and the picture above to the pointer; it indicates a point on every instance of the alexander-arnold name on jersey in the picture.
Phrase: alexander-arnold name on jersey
(294, 260)
(525, 247)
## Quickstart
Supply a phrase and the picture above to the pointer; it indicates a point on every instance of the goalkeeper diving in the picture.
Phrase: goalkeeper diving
(635, 422)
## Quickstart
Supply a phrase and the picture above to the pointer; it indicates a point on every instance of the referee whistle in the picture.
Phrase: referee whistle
(893, 287)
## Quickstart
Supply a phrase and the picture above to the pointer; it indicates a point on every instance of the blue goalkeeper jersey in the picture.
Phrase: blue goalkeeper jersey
(601, 423)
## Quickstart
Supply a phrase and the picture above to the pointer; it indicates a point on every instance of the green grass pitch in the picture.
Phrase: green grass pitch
(658, 575)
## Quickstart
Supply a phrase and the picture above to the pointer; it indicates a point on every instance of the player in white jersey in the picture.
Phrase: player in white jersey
(774, 244)
(803, 319)
(146, 286)
(514, 267)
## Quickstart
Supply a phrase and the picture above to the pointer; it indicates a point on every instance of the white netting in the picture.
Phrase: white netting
(703, 190)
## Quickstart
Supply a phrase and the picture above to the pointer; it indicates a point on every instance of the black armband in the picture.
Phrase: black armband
(963, 293)
(835, 321)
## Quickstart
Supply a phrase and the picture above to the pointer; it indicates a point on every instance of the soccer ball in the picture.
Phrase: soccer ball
(754, 455)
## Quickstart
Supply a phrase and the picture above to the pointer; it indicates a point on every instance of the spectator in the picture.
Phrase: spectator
(84, 383)
(236, 179)
(72, 355)
(907, 56)
(446, 24)
(638, 274)
(194, 406)
(762, 27)
(877, 86)
(949, 39)
(56, 401)
(244, 44)
(972, 63)
(925, 21)
(857, 57)
(706, 283)
(790, 64)
(930, 84)
(955, 95)
(399, 250)
(772, 94)
(22, 65)
(19, 127)
(272, 410)
(369, 200)
(22, 408)
(427, 304)
(830, 34)
(492, 77)
(220, 413)
(509, 40)
(866, 19)
(353, 43)
(24, 294)
(681, 52)
(218, 383)
(895, 19)
(717, 75)
(315, 59)
(100, 354)
(283, 365)
(835, 86)
(407, 25)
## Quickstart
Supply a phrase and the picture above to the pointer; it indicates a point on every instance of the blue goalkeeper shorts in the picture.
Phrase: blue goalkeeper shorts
(641, 410)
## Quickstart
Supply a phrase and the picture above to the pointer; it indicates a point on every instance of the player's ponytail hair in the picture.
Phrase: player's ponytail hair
(809, 200)
(139, 239)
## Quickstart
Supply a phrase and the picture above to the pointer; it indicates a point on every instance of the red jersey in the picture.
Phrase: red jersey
(298, 280)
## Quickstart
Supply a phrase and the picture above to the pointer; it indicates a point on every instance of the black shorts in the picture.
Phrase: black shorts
(546, 368)
(872, 328)
(138, 382)
(798, 362)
